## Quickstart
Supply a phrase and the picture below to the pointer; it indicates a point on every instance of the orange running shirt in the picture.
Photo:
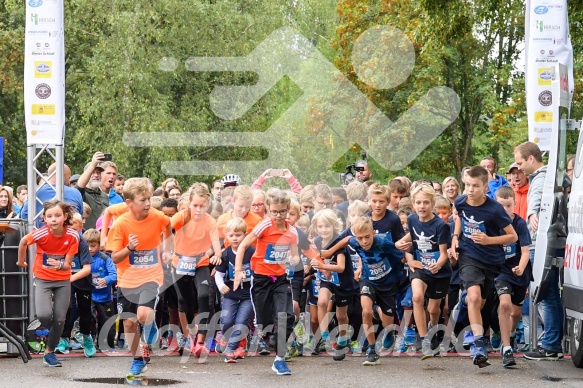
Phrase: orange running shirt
(191, 240)
(51, 247)
(144, 264)
(273, 247)
(251, 219)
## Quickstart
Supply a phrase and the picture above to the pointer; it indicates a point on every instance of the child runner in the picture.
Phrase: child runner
(81, 288)
(382, 272)
(237, 307)
(104, 275)
(134, 240)
(513, 281)
(430, 270)
(481, 230)
(57, 243)
(271, 295)
(336, 279)
(196, 232)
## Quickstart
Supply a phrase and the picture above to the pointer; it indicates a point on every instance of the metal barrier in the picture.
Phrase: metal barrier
(14, 289)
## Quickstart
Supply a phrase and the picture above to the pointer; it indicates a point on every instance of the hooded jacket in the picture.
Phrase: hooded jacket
(535, 193)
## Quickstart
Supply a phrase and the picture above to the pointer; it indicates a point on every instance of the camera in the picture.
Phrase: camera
(348, 176)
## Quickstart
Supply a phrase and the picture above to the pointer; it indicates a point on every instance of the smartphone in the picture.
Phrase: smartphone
(276, 172)
(106, 157)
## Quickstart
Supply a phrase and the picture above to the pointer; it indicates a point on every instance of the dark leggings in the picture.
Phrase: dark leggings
(104, 312)
(83, 299)
(193, 296)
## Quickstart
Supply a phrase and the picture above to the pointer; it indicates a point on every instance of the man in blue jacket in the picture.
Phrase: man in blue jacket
(495, 181)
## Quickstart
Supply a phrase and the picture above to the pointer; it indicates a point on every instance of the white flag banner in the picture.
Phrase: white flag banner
(44, 72)
(548, 43)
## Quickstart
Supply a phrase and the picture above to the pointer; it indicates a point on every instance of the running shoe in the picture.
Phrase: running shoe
(427, 350)
(542, 354)
(138, 367)
(145, 353)
(280, 367)
(340, 352)
(389, 340)
(292, 352)
(488, 345)
(62, 347)
(410, 336)
(481, 357)
(460, 310)
(372, 358)
(230, 358)
(496, 340)
(51, 360)
(88, 346)
(508, 359)
(468, 339)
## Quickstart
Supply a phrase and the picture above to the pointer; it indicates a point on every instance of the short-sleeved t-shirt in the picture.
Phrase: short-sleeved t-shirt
(346, 278)
(489, 218)
(193, 238)
(426, 238)
(389, 225)
(251, 219)
(144, 264)
(382, 263)
(49, 246)
(227, 267)
(82, 257)
(513, 254)
(273, 248)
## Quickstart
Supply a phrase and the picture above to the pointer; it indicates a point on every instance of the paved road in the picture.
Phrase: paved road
(322, 371)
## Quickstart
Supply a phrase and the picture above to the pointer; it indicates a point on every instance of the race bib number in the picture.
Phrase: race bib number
(246, 268)
(47, 256)
(355, 261)
(387, 235)
(333, 278)
(144, 259)
(315, 287)
(376, 271)
(276, 254)
(76, 264)
(509, 251)
(289, 270)
(187, 264)
(470, 227)
(427, 258)
(95, 277)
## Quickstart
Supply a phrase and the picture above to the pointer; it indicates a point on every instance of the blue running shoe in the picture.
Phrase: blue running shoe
(496, 340)
(51, 360)
(481, 357)
(460, 310)
(468, 339)
(88, 346)
(280, 367)
(389, 340)
(410, 336)
(138, 367)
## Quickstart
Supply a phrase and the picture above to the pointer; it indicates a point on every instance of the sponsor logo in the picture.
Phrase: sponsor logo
(545, 98)
(43, 69)
(543, 117)
(35, 3)
(542, 129)
(541, 26)
(37, 19)
(43, 109)
(43, 52)
(544, 76)
(541, 10)
(44, 123)
(42, 91)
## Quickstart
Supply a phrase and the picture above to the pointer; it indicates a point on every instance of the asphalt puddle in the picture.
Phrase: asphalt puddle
(130, 381)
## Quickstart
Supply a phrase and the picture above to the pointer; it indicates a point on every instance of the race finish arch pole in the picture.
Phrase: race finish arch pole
(548, 87)
(44, 103)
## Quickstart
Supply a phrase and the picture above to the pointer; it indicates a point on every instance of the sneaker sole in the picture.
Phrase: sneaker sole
(425, 357)
(510, 364)
(481, 361)
(52, 366)
(280, 373)
(232, 361)
(370, 363)
(339, 358)
(542, 358)
(264, 352)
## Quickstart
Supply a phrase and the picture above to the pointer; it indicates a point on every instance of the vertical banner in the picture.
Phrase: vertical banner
(1, 160)
(44, 72)
(548, 43)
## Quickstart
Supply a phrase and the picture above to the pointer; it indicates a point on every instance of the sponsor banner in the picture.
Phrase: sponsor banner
(548, 44)
(44, 72)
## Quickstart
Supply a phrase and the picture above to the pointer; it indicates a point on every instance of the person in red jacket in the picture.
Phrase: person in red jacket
(519, 182)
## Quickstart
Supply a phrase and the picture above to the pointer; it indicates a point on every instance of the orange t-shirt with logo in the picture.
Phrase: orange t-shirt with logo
(251, 219)
(193, 238)
(144, 264)
(52, 247)
(273, 248)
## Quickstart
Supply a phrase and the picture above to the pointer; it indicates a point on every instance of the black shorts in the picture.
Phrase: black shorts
(474, 273)
(271, 296)
(342, 297)
(129, 299)
(436, 287)
(517, 293)
(297, 290)
(382, 295)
